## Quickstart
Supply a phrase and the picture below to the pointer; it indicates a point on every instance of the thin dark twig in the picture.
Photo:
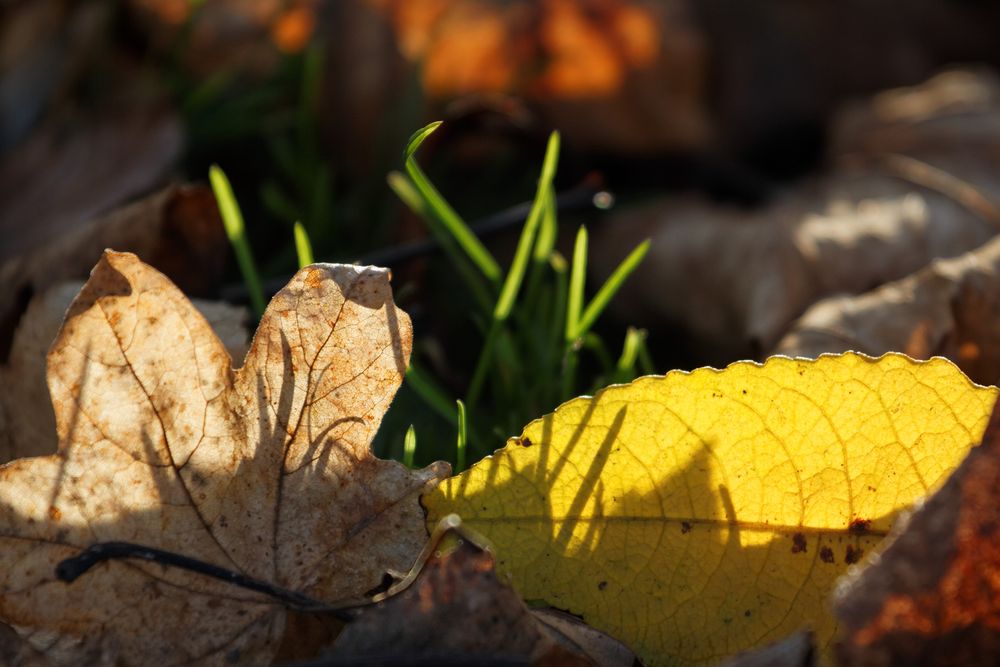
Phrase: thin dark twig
(580, 198)
(70, 569)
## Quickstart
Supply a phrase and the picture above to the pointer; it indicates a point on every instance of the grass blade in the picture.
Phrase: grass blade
(547, 231)
(515, 275)
(463, 438)
(303, 249)
(408, 194)
(437, 206)
(424, 387)
(630, 350)
(417, 138)
(559, 268)
(577, 276)
(611, 287)
(232, 220)
(409, 447)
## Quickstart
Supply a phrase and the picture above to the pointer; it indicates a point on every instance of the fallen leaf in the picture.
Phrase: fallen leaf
(736, 279)
(27, 421)
(699, 514)
(266, 471)
(455, 608)
(625, 76)
(601, 648)
(794, 651)
(932, 597)
(955, 110)
(51, 184)
(178, 230)
(950, 308)
(17, 652)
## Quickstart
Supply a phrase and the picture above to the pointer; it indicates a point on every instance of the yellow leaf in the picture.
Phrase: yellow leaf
(699, 514)
(266, 471)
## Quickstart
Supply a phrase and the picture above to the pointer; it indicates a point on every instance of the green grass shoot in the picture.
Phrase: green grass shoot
(409, 447)
(442, 212)
(537, 323)
(303, 249)
(426, 388)
(610, 288)
(577, 278)
(232, 220)
(515, 276)
(409, 195)
(461, 444)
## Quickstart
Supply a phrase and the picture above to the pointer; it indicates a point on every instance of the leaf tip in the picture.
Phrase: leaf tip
(418, 137)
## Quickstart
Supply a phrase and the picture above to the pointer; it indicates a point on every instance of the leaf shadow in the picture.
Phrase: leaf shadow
(673, 567)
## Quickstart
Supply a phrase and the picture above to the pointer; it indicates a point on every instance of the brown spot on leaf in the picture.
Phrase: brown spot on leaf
(685, 526)
(602, 585)
(314, 278)
(859, 526)
(524, 441)
(798, 543)
(853, 554)
(826, 555)
(54, 513)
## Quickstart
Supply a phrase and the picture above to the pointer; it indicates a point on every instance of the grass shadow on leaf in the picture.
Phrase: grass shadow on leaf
(666, 559)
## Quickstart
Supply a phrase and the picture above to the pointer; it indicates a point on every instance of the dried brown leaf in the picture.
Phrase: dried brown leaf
(27, 422)
(626, 76)
(950, 308)
(178, 230)
(456, 607)
(15, 651)
(737, 279)
(52, 183)
(933, 595)
(578, 637)
(266, 470)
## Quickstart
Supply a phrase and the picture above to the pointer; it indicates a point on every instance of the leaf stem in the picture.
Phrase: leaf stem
(71, 569)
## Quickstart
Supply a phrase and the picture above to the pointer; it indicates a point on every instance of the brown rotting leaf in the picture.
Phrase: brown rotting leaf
(456, 607)
(951, 308)
(933, 596)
